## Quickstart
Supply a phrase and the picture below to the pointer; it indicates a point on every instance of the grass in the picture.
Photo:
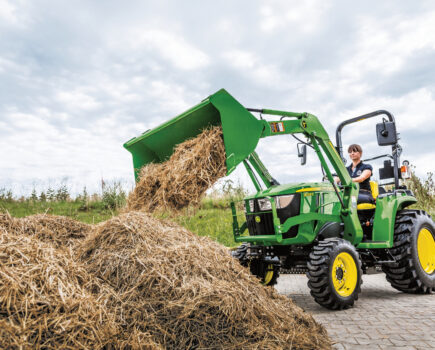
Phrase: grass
(212, 219)
(212, 222)
(94, 214)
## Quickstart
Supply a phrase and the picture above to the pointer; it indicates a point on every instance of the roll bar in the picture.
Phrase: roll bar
(366, 116)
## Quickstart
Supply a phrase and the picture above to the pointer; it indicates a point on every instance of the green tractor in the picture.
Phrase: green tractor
(318, 227)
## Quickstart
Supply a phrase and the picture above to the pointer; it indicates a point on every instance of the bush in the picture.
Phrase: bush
(6, 195)
(221, 199)
(62, 194)
(114, 196)
(424, 191)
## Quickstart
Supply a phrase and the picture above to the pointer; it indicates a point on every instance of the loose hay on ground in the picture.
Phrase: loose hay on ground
(186, 291)
(49, 300)
(58, 230)
(182, 180)
(44, 302)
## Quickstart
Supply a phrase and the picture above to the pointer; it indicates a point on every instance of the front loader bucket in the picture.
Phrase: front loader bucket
(241, 132)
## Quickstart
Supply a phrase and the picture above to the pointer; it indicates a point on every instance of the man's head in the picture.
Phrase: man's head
(355, 151)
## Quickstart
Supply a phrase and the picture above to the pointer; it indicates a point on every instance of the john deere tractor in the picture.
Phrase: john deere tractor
(318, 227)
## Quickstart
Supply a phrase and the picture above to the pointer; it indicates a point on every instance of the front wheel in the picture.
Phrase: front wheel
(334, 273)
(267, 273)
(241, 254)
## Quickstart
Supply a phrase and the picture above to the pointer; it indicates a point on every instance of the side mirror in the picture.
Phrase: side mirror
(302, 153)
(386, 133)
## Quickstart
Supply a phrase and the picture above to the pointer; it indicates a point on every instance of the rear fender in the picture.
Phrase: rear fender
(385, 215)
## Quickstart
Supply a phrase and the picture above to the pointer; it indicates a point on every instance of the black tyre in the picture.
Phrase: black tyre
(268, 273)
(334, 273)
(241, 253)
(414, 253)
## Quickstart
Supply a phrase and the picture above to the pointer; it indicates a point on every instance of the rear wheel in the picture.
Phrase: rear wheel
(414, 253)
(334, 273)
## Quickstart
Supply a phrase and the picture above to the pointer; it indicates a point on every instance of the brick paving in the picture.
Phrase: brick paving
(382, 317)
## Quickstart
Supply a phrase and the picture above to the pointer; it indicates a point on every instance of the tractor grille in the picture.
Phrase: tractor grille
(262, 223)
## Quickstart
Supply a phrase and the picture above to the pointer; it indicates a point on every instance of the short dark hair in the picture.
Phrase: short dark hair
(355, 148)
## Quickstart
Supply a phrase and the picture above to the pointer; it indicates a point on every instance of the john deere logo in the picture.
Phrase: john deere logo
(304, 124)
(257, 219)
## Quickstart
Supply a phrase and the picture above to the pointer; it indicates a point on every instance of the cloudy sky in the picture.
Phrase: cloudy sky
(79, 78)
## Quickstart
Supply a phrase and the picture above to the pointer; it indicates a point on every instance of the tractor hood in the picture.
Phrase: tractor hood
(293, 188)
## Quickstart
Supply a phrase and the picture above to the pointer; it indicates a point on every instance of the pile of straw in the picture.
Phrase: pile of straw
(187, 291)
(44, 301)
(58, 230)
(49, 299)
(137, 282)
(194, 167)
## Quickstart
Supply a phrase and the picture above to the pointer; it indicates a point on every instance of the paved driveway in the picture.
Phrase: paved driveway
(382, 318)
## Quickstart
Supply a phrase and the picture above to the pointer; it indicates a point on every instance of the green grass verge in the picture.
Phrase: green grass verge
(213, 222)
(93, 215)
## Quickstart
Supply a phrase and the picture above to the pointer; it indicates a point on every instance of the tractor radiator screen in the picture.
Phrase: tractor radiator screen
(262, 223)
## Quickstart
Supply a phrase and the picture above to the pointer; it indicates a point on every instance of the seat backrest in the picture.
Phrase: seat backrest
(375, 189)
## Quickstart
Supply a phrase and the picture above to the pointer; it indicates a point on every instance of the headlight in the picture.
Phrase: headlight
(251, 206)
(283, 201)
(264, 204)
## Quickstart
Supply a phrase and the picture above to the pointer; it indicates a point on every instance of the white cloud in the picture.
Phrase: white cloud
(295, 16)
(171, 97)
(173, 48)
(176, 50)
(383, 46)
(77, 99)
(8, 12)
(254, 69)
(240, 59)
(29, 123)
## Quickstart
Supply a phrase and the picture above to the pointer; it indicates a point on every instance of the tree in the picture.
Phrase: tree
(50, 194)
(62, 193)
(42, 197)
(34, 196)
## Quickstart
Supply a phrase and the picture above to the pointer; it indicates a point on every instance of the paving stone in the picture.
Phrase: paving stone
(382, 318)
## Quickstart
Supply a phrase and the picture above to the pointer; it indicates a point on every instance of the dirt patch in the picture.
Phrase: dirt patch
(182, 180)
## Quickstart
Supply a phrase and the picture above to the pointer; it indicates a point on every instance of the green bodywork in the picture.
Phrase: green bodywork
(241, 133)
(313, 216)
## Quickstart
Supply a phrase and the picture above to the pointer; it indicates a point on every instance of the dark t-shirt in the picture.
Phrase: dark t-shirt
(365, 185)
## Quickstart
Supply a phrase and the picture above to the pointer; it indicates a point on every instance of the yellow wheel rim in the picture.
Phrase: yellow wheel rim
(344, 274)
(426, 250)
(268, 275)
